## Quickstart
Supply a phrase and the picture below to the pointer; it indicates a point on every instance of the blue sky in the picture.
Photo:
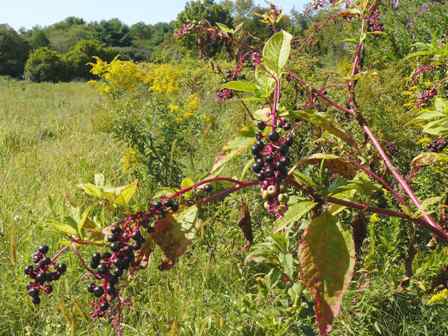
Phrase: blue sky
(28, 13)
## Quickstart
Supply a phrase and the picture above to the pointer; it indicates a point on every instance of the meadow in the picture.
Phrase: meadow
(271, 176)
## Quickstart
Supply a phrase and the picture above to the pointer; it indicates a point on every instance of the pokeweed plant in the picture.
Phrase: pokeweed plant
(313, 191)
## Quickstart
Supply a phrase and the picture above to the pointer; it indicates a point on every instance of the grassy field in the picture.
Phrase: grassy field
(53, 137)
(50, 142)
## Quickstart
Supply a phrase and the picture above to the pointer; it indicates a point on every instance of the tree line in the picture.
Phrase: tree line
(62, 51)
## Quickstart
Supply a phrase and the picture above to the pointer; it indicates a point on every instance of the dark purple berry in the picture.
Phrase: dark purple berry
(43, 249)
(284, 149)
(41, 278)
(98, 291)
(91, 288)
(29, 270)
(48, 289)
(257, 168)
(261, 125)
(37, 256)
(102, 269)
(106, 256)
(115, 246)
(61, 268)
(36, 300)
(104, 306)
(274, 136)
(33, 292)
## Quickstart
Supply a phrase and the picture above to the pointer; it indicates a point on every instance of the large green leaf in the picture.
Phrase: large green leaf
(242, 86)
(327, 258)
(295, 212)
(435, 121)
(236, 147)
(276, 52)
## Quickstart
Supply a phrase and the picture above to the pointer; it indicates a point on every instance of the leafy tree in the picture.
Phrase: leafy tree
(45, 65)
(13, 52)
(113, 33)
(206, 10)
(79, 57)
(198, 10)
(65, 34)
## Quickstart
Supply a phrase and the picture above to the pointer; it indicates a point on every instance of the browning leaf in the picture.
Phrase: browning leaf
(327, 261)
(168, 235)
(333, 163)
(245, 223)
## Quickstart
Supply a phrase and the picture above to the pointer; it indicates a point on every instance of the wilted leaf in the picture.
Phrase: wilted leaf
(427, 159)
(333, 163)
(320, 120)
(245, 223)
(169, 236)
(327, 260)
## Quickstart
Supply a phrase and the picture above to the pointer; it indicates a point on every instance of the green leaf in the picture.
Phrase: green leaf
(64, 228)
(265, 82)
(234, 148)
(242, 86)
(295, 212)
(434, 121)
(125, 194)
(276, 52)
(327, 260)
(92, 190)
(440, 297)
(224, 28)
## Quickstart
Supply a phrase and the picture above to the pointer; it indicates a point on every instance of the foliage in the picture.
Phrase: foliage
(45, 65)
(13, 52)
(329, 137)
(81, 55)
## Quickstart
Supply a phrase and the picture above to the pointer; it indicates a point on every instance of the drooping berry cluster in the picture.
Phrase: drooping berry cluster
(125, 243)
(438, 145)
(42, 274)
(271, 164)
(425, 96)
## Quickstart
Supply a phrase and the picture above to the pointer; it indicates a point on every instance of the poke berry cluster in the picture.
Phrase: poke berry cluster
(271, 164)
(125, 245)
(374, 22)
(43, 273)
(438, 145)
(425, 96)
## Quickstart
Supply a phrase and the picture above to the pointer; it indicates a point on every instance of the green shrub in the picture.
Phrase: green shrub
(78, 58)
(13, 52)
(45, 65)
